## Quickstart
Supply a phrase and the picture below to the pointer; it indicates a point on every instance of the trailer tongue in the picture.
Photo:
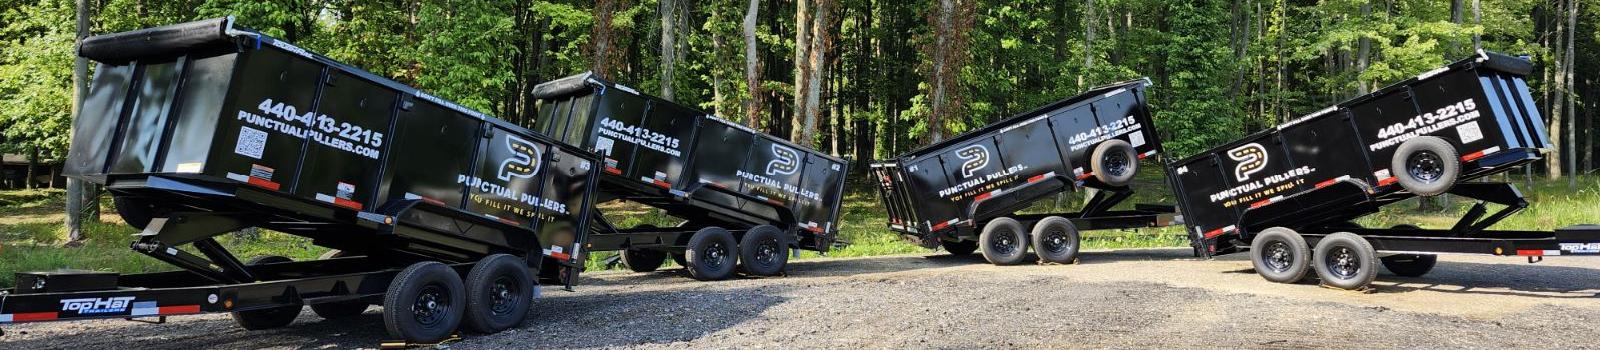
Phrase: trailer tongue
(444, 216)
(1288, 195)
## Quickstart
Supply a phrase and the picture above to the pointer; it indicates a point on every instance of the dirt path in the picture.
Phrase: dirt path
(1126, 298)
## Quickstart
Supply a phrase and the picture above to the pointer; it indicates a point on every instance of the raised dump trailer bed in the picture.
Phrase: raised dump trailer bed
(440, 214)
(1288, 194)
(947, 193)
(746, 197)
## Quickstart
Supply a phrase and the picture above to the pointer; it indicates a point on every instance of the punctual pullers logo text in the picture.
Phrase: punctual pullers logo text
(95, 306)
(1252, 158)
(976, 158)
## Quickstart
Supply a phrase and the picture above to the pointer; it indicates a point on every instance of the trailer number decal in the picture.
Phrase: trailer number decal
(96, 306)
(1252, 158)
(521, 164)
(785, 161)
(977, 158)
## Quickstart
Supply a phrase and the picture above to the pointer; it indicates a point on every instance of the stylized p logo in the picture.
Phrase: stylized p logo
(785, 161)
(976, 158)
(523, 162)
(1252, 158)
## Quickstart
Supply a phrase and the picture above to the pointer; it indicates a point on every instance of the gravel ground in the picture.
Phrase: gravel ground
(1114, 299)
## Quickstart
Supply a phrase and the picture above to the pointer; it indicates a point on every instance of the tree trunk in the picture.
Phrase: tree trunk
(1088, 42)
(815, 71)
(604, 37)
(76, 188)
(752, 71)
(32, 172)
(668, 47)
(1572, 115)
(1559, 85)
(1477, 18)
(802, 68)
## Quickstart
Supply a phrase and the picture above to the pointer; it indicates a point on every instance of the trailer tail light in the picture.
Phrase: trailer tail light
(613, 170)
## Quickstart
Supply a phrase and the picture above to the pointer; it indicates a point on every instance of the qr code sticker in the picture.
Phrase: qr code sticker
(1136, 139)
(1470, 132)
(251, 142)
(603, 146)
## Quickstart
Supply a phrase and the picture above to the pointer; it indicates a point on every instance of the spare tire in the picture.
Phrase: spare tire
(1114, 163)
(1426, 166)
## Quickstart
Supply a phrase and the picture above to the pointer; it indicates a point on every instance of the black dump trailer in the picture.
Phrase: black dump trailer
(444, 216)
(1289, 194)
(746, 198)
(963, 193)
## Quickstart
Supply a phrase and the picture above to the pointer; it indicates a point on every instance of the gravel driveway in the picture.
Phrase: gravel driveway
(1124, 298)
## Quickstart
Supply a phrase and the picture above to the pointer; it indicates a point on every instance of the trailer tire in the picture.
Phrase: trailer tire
(643, 260)
(136, 212)
(1426, 166)
(1056, 240)
(1003, 242)
(1280, 255)
(680, 259)
(268, 318)
(1114, 163)
(763, 251)
(962, 247)
(1346, 261)
(499, 293)
(437, 289)
(1409, 265)
(711, 254)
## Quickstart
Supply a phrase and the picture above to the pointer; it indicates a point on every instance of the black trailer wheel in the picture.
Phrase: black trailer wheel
(135, 211)
(680, 258)
(1426, 165)
(1003, 242)
(643, 260)
(763, 251)
(1280, 255)
(1346, 261)
(1409, 265)
(267, 318)
(1055, 240)
(712, 254)
(962, 247)
(1114, 163)
(425, 303)
(499, 293)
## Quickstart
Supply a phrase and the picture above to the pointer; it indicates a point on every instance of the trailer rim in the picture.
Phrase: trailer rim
(1425, 165)
(431, 305)
(1279, 257)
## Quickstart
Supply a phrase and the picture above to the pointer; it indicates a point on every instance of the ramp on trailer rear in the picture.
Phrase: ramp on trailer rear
(203, 128)
(747, 192)
(1279, 191)
(945, 193)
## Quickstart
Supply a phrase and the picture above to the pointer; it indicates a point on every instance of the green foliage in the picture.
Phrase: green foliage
(36, 56)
